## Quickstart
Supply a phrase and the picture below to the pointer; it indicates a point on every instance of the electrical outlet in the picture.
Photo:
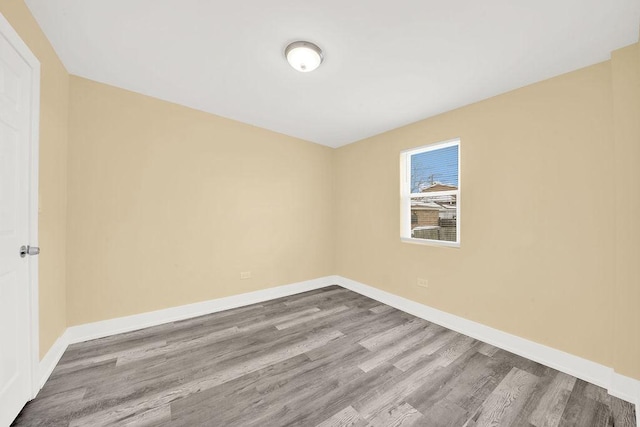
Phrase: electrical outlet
(245, 275)
(423, 283)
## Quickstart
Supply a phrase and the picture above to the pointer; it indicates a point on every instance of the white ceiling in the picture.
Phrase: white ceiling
(387, 63)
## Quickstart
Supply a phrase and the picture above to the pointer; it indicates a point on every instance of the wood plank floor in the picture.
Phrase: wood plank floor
(329, 357)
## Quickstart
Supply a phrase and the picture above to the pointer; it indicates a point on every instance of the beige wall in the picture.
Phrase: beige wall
(54, 103)
(626, 118)
(544, 269)
(167, 205)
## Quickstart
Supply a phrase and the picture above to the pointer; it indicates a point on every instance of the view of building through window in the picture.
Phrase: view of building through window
(432, 193)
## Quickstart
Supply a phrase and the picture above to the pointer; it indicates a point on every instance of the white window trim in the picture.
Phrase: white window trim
(406, 195)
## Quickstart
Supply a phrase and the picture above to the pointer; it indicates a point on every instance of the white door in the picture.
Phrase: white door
(16, 106)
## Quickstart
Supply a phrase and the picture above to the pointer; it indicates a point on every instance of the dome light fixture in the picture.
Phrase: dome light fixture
(304, 56)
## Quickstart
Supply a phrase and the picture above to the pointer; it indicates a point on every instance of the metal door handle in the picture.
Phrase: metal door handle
(28, 250)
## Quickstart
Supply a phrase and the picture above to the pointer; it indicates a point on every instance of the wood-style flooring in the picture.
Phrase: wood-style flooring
(329, 357)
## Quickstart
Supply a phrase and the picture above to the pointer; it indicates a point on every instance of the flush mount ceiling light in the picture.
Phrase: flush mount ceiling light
(303, 56)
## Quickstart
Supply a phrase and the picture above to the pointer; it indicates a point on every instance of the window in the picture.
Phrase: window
(430, 194)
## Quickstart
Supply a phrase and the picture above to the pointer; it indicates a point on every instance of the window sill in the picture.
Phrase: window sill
(427, 242)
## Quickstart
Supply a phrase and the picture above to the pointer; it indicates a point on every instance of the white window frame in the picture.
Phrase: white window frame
(406, 195)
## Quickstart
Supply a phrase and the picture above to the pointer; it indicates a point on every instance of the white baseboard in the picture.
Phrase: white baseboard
(50, 360)
(617, 385)
(119, 325)
(89, 331)
(626, 388)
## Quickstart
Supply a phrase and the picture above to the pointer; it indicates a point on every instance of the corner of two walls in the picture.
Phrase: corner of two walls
(167, 205)
(625, 65)
(549, 199)
(54, 108)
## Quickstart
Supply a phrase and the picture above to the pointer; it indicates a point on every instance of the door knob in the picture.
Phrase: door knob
(28, 250)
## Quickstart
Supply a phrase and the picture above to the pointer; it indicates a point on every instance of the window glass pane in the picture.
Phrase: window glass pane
(434, 218)
(435, 170)
(432, 213)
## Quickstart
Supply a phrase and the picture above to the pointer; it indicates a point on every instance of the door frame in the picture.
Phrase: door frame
(7, 31)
